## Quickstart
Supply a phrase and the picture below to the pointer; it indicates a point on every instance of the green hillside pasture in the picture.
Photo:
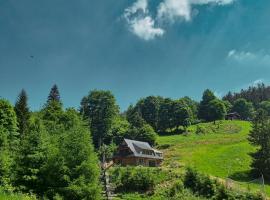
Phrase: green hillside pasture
(222, 151)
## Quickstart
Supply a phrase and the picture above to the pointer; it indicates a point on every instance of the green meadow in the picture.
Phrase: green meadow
(220, 150)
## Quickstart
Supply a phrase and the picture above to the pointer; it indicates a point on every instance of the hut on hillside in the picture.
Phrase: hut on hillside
(232, 116)
(132, 152)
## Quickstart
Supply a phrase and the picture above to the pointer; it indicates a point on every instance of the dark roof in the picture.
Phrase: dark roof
(137, 148)
(233, 114)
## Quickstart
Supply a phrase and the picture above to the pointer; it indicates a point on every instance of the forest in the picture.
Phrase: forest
(55, 152)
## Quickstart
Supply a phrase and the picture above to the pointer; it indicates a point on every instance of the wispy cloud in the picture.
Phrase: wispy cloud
(249, 57)
(148, 27)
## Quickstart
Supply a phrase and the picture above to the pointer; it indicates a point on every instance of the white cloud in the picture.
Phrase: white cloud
(173, 9)
(258, 81)
(249, 57)
(145, 29)
(142, 24)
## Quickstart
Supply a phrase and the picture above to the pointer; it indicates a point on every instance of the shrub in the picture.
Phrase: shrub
(199, 183)
(138, 179)
(203, 185)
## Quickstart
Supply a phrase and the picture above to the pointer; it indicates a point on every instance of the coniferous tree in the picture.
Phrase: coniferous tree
(8, 142)
(54, 94)
(53, 109)
(22, 112)
(260, 137)
(31, 157)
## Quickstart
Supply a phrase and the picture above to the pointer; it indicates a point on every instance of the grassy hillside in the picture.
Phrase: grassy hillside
(220, 150)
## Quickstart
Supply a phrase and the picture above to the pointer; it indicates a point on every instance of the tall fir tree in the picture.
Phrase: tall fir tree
(53, 109)
(54, 94)
(22, 112)
(260, 137)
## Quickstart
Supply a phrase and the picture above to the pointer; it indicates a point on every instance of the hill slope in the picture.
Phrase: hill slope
(220, 150)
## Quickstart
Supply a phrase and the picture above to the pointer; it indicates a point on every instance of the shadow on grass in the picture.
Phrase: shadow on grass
(242, 176)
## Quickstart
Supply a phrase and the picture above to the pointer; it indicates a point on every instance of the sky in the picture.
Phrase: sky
(135, 48)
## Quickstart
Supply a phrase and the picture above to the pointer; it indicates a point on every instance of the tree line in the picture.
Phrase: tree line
(54, 152)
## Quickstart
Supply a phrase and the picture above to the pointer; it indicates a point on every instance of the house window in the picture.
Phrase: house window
(152, 163)
(141, 161)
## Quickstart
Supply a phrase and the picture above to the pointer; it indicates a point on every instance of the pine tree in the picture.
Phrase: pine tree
(31, 158)
(53, 109)
(8, 142)
(54, 94)
(260, 137)
(22, 112)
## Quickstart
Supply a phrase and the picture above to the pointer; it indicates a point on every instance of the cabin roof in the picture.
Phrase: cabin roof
(137, 148)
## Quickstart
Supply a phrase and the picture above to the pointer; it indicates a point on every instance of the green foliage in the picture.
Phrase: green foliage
(71, 169)
(165, 115)
(22, 112)
(204, 110)
(199, 183)
(31, 158)
(6, 161)
(228, 106)
(243, 108)
(138, 179)
(222, 151)
(254, 94)
(193, 105)
(15, 196)
(182, 114)
(102, 111)
(260, 137)
(204, 186)
(58, 162)
(8, 143)
(149, 110)
(216, 109)
(54, 95)
(134, 117)
(120, 128)
(266, 106)
(145, 133)
(162, 113)
(8, 119)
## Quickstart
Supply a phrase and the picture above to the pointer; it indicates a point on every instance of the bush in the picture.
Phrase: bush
(138, 179)
(199, 183)
(200, 130)
(203, 185)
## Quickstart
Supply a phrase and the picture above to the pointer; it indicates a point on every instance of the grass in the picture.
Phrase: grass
(221, 151)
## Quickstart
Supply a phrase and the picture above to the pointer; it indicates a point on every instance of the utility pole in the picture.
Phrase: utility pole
(263, 187)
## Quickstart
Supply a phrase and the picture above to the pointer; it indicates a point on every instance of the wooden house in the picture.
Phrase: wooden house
(233, 116)
(132, 152)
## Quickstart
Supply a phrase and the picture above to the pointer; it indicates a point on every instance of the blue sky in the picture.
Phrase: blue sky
(134, 48)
